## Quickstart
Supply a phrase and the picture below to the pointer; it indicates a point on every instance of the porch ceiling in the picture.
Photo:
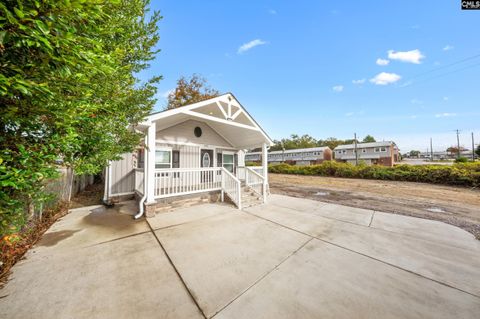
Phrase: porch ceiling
(224, 114)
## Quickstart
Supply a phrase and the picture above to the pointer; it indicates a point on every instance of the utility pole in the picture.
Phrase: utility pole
(356, 153)
(431, 149)
(458, 143)
(473, 149)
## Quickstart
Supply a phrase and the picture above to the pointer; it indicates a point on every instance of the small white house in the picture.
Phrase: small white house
(193, 151)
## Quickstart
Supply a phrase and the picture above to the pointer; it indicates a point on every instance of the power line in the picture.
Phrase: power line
(447, 66)
(444, 67)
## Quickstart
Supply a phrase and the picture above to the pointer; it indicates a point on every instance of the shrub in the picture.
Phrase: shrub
(463, 174)
(461, 160)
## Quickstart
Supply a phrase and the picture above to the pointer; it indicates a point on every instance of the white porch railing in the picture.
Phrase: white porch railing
(139, 180)
(241, 173)
(182, 181)
(258, 169)
(255, 181)
(232, 187)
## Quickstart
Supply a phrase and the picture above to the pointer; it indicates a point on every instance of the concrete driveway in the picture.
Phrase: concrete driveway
(291, 258)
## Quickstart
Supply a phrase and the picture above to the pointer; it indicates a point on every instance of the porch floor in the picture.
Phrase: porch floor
(288, 258)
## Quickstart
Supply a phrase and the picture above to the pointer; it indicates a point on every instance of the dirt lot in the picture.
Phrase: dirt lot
(457, 206)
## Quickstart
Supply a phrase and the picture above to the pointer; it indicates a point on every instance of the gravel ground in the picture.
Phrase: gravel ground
(457, 206)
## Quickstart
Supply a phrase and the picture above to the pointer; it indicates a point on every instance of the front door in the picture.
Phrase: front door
(206, 160)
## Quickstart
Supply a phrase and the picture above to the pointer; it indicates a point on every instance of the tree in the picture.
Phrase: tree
(477, 151)
(414, 153)
(455, 150)
(368, 139)
(68, 91)
(190, 90)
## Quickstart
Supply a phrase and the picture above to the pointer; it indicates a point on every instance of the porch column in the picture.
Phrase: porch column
(149, 173)
(265, 171)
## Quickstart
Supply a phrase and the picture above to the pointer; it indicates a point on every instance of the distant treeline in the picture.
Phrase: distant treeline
(306, 141)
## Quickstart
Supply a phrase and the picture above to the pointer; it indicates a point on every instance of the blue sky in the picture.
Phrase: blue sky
(293, 64)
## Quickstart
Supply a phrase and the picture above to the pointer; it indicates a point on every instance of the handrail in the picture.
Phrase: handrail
(256, 173)
(256, 183)
(234, 194)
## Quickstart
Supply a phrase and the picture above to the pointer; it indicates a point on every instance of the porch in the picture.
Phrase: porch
(194, 149)
(185, 181)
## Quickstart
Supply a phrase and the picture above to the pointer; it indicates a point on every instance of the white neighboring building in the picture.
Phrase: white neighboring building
(193, 151)
(301, 156)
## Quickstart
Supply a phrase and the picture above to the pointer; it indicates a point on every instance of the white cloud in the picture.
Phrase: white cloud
(385, 78)
(445, 98)
(359, 82)
(413, 56)
(448, 47)
(272, 11)
(446, 114)
(338, 88)
(250, 45)
(416, 101)
(350, 114)
(413, 117)
(382, 62)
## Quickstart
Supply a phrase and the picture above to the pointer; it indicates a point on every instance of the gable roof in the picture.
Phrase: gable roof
(224, 113)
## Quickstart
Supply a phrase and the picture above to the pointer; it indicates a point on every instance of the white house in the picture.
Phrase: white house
(193, 151)
(378, 153)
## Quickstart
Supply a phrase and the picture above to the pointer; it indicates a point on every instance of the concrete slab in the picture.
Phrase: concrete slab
(324, 281)
(126, 278)
(427, 229)
(301, 204)
(450, 265)
(221, 256)
(188, 214)
(353, 215)
(88, 226)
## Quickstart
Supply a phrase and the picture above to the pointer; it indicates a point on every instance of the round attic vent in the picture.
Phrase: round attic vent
(197, 131)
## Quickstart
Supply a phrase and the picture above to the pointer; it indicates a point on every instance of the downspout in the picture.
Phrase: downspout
(145, 183)
(108, 183)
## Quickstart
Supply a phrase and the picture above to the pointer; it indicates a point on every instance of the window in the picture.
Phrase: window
(228, 161)
(364, 150)
(377, 149)
(383, 149)
(163, 159)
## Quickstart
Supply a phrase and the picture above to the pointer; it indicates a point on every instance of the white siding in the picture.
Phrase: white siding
(189, 154)
(183, 133)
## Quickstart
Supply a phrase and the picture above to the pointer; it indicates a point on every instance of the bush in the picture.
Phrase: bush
(461, 160)
(462, 174)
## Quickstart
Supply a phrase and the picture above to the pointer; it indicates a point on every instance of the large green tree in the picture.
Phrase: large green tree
(68, 90)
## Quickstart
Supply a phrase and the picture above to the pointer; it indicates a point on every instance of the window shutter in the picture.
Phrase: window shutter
(175, 159)
(219, 159)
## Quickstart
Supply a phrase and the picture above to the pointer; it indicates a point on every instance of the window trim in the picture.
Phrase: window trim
(233, 160)
(163, 149)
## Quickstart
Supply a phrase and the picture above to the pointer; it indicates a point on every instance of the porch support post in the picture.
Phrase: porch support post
(150, 170)
(265, 171)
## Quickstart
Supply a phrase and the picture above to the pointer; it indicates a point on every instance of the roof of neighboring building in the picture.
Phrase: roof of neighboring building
(364, 145)
(297, 150)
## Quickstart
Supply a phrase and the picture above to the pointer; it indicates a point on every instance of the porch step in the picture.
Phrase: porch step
(250, 198)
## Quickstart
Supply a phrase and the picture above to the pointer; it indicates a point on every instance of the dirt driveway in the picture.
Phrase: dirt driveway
(290, 258)
(457, 206)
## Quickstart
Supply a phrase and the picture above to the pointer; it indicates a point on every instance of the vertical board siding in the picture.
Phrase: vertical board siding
(123, 175)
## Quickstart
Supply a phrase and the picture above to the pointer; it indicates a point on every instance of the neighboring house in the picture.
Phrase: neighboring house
(192, 153)
(301, 156)
(380, 153)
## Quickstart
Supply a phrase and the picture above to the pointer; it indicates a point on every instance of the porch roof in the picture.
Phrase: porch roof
(224, 114)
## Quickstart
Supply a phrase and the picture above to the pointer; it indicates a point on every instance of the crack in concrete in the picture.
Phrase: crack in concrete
(371, 219)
